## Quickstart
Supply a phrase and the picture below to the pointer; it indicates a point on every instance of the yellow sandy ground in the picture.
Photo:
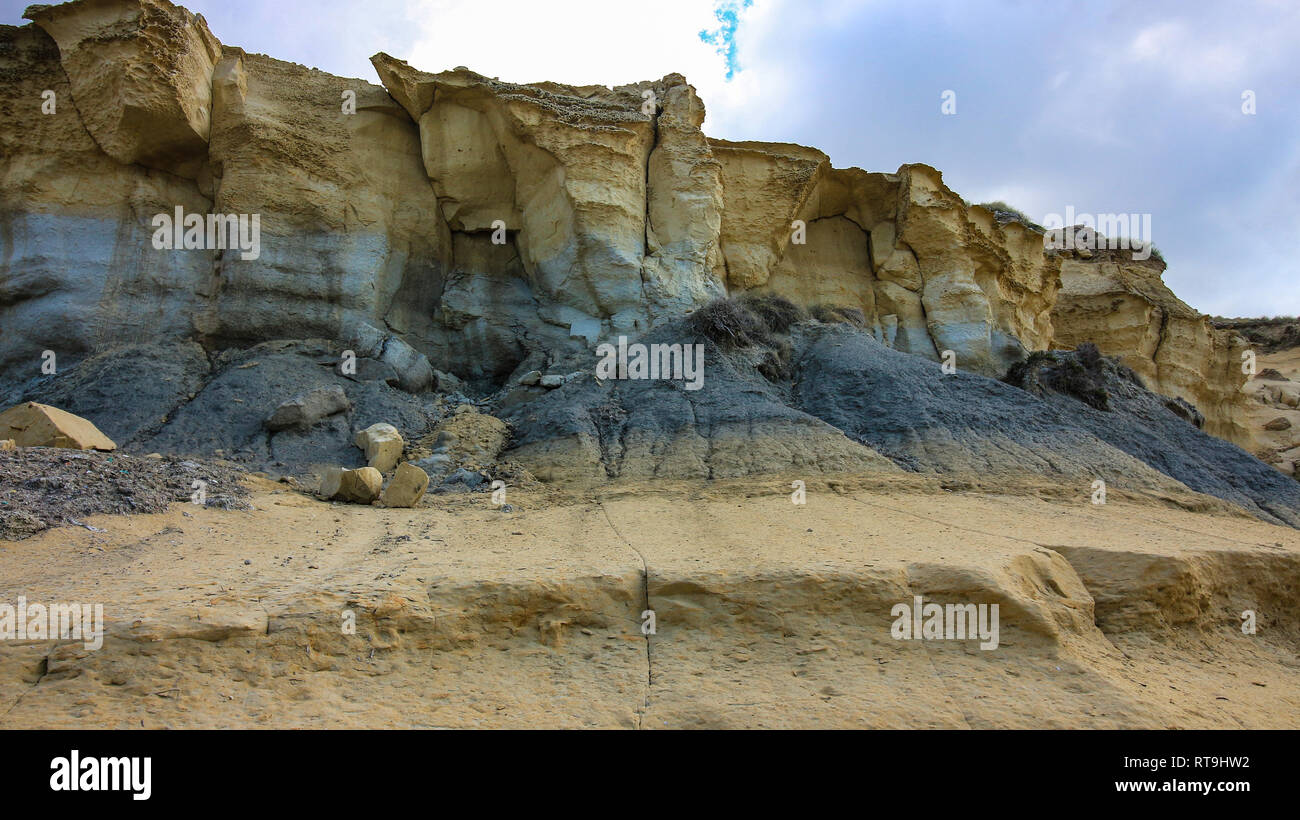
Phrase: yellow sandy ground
(767, 614)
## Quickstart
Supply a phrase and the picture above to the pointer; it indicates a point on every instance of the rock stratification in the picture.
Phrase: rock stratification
(401, 290)
(140, 76)
(1124, 307)
(1271, 397)
(477, 220)
(201, 235)
(928, 272)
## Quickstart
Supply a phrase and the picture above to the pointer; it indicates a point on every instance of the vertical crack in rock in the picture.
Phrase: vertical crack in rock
(925, 319)
(1160, 337)
(649, 225)
(645, 603)
(44, 670)
(965, 716)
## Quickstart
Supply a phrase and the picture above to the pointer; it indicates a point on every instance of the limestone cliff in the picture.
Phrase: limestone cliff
(1271, 396)
(617, 212)
(349, 224)
(454, 222)
(929, 273)
(1124, 307)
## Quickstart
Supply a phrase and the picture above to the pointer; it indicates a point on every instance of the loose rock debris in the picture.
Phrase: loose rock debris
(42, 487)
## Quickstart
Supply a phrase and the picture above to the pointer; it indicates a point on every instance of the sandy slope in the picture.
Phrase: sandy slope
(767, 613)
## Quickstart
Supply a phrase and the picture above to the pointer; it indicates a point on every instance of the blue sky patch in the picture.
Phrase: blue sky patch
(723, 38)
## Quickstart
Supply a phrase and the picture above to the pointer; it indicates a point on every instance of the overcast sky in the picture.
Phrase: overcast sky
(1106, 107)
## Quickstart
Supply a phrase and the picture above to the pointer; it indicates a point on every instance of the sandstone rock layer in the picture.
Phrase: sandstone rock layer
(458, 232)
(1123, 306)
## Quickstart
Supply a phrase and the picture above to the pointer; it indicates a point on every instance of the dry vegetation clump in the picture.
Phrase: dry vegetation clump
(839, 314)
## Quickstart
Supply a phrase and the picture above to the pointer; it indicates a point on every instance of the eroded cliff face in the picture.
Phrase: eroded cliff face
(1271, 395)
(605, 204)
(928, 272)
(77, 269)
(1124, 307)
(458, 222)
(141, 78)
(348, 222)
